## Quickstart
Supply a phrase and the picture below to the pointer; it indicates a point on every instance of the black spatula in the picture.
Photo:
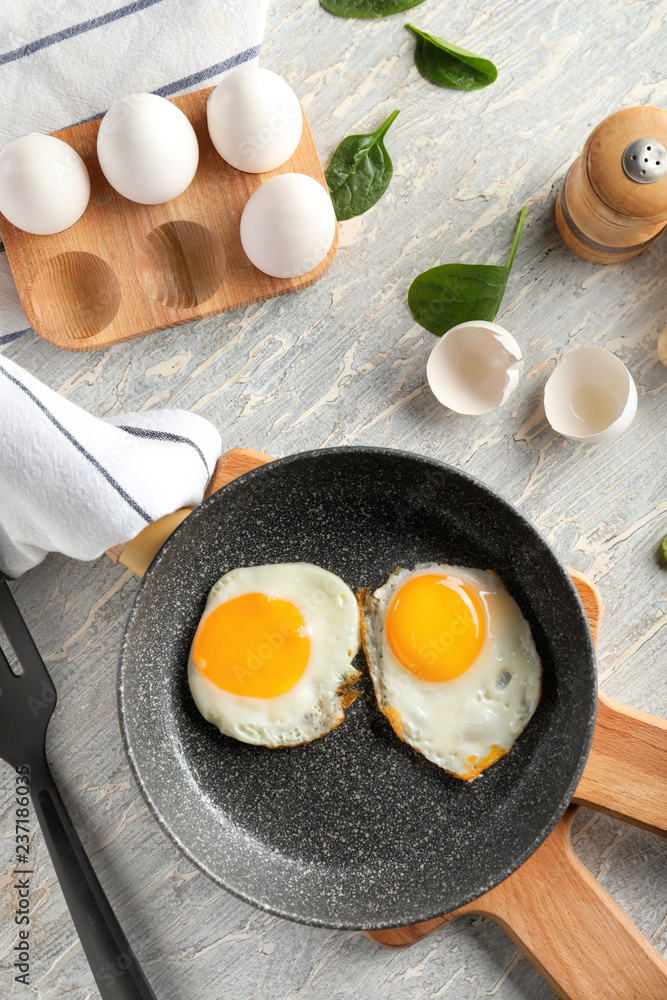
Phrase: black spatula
(26, 705)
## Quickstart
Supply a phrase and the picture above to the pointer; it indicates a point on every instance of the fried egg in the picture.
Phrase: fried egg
(271, 660)
(453, 663)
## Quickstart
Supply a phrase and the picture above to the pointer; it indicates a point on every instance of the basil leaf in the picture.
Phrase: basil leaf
(359, 172)
(449, 65)
(368, 8)
(445, 296)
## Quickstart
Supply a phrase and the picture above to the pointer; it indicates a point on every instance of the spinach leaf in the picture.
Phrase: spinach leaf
(444, 296)
(449, 65)
(359, 172)
(368, 8)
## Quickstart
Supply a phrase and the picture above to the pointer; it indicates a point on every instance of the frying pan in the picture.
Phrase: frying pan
(356, 830)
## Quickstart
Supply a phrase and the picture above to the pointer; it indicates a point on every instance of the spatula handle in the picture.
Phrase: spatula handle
(116, 970)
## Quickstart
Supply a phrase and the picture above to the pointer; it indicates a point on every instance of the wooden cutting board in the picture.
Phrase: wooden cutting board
(125, 269)
(553, 909)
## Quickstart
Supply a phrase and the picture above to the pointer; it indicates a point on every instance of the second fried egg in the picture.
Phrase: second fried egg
(453, 663)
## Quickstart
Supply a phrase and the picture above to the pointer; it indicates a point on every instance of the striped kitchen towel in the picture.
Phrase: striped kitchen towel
(66, 62)
(77, 484)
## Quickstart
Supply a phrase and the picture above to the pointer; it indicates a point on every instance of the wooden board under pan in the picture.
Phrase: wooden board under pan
(125, 269)
(552, 907)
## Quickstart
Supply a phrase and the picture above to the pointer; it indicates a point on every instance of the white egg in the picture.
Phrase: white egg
(288, 225)
(44, 184)
(453, 664)
(254, 119)
(147, 148)
(272, 656)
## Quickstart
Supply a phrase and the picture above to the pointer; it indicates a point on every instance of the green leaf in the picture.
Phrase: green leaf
(368, 8)
(359, 172)
(663, 549)
(445, 296)
(448, 65)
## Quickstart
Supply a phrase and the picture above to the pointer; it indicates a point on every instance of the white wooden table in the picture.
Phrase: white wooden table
(343, 362)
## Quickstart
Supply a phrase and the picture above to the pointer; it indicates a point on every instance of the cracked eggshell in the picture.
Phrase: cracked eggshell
(474, 367)
(590, 395)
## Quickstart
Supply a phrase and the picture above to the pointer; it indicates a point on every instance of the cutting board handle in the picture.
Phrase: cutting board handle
(570, 928)
(626, 771)
(567, 925)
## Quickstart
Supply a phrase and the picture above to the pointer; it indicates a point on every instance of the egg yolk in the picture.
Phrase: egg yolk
(435, 626)
(254, 645)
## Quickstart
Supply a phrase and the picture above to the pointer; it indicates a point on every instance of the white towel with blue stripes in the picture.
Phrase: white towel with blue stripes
(65, 62)
(71, 482)
(78, 484)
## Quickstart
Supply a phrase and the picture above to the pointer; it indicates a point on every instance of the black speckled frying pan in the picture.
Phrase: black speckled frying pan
(355, 830)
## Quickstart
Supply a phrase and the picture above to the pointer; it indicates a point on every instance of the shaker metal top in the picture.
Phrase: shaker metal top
(645, 160)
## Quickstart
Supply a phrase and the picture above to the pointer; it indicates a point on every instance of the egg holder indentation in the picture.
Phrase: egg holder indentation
(124, 269)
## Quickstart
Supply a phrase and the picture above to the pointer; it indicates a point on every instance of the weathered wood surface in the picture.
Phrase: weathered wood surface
(343, 362)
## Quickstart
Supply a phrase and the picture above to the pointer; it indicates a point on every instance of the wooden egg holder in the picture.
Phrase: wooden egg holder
(126, 269)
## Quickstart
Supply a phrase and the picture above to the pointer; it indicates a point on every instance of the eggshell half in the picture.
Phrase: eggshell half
(474, 367)
(590, 396)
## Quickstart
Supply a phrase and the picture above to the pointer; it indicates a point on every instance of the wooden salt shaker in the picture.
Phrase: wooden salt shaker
(613, 203)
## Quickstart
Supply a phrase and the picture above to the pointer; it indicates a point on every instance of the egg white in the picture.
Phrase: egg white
(455, 723)
(315, 704)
